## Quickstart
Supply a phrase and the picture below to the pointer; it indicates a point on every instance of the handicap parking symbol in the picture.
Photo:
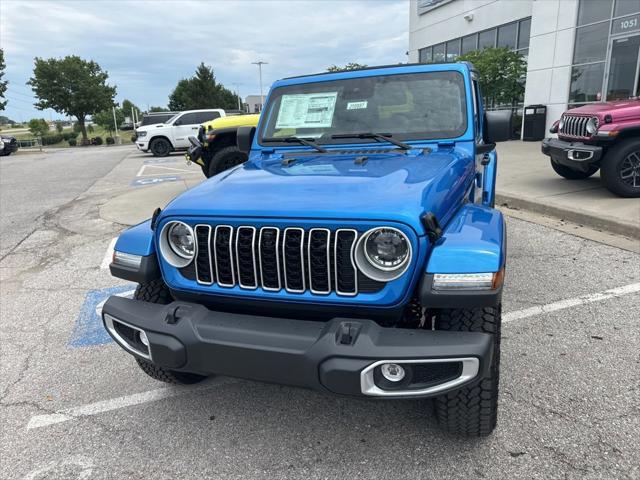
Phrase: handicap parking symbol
(141, 181)
(88, 330)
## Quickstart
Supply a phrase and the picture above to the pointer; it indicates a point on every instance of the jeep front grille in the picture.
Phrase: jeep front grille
(315, 260)
(575, 126)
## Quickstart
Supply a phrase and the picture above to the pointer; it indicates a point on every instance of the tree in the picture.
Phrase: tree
(104, 118)
(202, 91)
(501, 74)
(38, 127)
(59, 126)
(158, 109)
(3, 83)
(127, 107)
(348, 66)
(71, 86)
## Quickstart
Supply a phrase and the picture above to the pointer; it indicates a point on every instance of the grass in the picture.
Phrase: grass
(125, 137)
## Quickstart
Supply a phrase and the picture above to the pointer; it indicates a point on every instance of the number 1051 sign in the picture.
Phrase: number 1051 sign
(626, 24)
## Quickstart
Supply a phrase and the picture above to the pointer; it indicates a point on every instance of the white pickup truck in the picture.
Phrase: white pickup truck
(163, 138)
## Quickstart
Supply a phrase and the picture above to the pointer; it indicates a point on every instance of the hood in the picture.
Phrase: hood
(619, 110)
(393, 186)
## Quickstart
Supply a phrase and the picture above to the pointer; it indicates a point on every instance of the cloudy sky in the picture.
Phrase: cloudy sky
(148, 46)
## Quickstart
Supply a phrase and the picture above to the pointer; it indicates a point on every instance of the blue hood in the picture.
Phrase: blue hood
(393, 186)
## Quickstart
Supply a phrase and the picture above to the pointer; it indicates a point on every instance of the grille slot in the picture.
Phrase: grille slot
(293, 260)
(246, 257)
(204, 270)
(317, 260)
(223, 252)
(576, 126)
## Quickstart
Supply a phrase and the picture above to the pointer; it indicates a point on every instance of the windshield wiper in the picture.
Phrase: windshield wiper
(309, 142)
(385, 137)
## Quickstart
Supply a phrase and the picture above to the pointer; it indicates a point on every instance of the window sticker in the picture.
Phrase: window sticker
(357, 105)
(307, 110)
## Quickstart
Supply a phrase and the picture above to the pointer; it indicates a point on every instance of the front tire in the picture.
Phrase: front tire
(571, 174)
(160, 147)
(224, 159)
(156, 291)
(472, 411)
(620, 170)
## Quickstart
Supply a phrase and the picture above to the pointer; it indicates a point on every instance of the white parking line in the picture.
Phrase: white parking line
(65, 415)
(108, 254)
(571, 302)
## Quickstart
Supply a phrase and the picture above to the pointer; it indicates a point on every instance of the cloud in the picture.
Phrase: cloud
(147, 47)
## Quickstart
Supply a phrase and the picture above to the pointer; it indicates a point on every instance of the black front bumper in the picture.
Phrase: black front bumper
(575, 155)
(335, 356)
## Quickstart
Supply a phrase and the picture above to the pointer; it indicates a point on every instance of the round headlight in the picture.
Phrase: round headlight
(386, 249)
(177, 244)
(383, 254)
(561, 124)
(592, 126)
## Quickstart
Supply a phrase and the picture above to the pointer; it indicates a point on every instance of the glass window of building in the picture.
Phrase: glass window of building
(586, 83)
(507, 36)
(469, 43)
(626, 7)
(524, 33)
(453, 50)
(591, 11)
(424, 55)
(591, 43)
(438, 53)
(487, 39)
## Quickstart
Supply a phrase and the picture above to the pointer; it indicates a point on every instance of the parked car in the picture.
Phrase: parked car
(337, 258)
(9, 145)
(216, 148)
(599, 136)
(163, 138)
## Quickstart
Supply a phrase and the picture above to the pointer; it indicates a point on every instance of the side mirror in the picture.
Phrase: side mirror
(497, 126)
(245, 138)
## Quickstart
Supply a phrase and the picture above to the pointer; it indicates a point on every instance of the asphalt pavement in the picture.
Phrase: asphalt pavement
(75, 406)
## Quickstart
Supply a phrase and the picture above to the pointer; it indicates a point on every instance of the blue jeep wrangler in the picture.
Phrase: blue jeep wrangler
(356, 252)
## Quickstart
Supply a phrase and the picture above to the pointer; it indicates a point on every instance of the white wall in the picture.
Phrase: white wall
(447, 21)
(550, 55)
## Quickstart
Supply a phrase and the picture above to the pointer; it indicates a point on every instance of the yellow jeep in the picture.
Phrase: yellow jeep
(216, 149)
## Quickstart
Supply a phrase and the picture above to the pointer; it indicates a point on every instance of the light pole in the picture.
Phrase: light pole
(238, 95)
(260, 63)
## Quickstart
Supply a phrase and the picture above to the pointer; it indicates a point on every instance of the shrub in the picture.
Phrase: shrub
(110, 141)
(52, 139)
(73, 142)
(69, 135)
(96, 141)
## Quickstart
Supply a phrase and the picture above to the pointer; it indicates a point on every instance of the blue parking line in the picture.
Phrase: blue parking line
(88, 330)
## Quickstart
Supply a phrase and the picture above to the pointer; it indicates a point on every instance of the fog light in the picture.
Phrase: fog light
(143, 338)
(392, 372)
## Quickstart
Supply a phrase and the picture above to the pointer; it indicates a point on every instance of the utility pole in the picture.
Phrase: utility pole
(115, 124)
(238, 95)
(260, 63)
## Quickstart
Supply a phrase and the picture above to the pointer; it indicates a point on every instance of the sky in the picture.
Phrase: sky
(148, 46)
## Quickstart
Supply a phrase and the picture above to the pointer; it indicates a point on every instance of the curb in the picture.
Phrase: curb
(574, 216)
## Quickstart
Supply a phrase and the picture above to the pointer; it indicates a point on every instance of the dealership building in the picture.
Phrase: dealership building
(577, 51)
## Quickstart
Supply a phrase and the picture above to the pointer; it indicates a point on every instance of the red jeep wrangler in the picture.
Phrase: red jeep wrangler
(603, 136)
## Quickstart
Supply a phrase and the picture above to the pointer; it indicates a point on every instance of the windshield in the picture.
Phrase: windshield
(153, 119)
(406, 106)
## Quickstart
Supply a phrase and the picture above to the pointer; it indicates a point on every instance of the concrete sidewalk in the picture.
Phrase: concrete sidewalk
(526, 181)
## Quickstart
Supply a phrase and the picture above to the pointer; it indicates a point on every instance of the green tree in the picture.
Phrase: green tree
(202, 91)
(501, 74)
(158, 109)
(59, 126)
(128, 106)
(104, 118)
(3, 83)
(348, 66)
(38, 127)
(71, 86)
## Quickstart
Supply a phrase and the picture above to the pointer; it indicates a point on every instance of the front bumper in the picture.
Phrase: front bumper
(142, 144)
(576, 155)
(341, 356)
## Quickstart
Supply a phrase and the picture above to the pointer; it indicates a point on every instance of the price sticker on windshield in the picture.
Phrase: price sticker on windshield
(357, 105)
(312, 110)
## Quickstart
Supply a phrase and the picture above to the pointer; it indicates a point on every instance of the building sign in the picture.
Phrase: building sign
(626, 24)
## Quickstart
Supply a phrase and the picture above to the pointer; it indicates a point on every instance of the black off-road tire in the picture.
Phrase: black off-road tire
(571, 174)
(160, 147)
(156, 291)
(472, 411)
(224, 159)
(626, 152)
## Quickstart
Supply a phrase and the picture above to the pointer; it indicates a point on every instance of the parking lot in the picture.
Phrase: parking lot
(74, 406)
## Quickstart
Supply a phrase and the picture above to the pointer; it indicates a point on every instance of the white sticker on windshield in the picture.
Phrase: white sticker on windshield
(307, 110)
(357, 105)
